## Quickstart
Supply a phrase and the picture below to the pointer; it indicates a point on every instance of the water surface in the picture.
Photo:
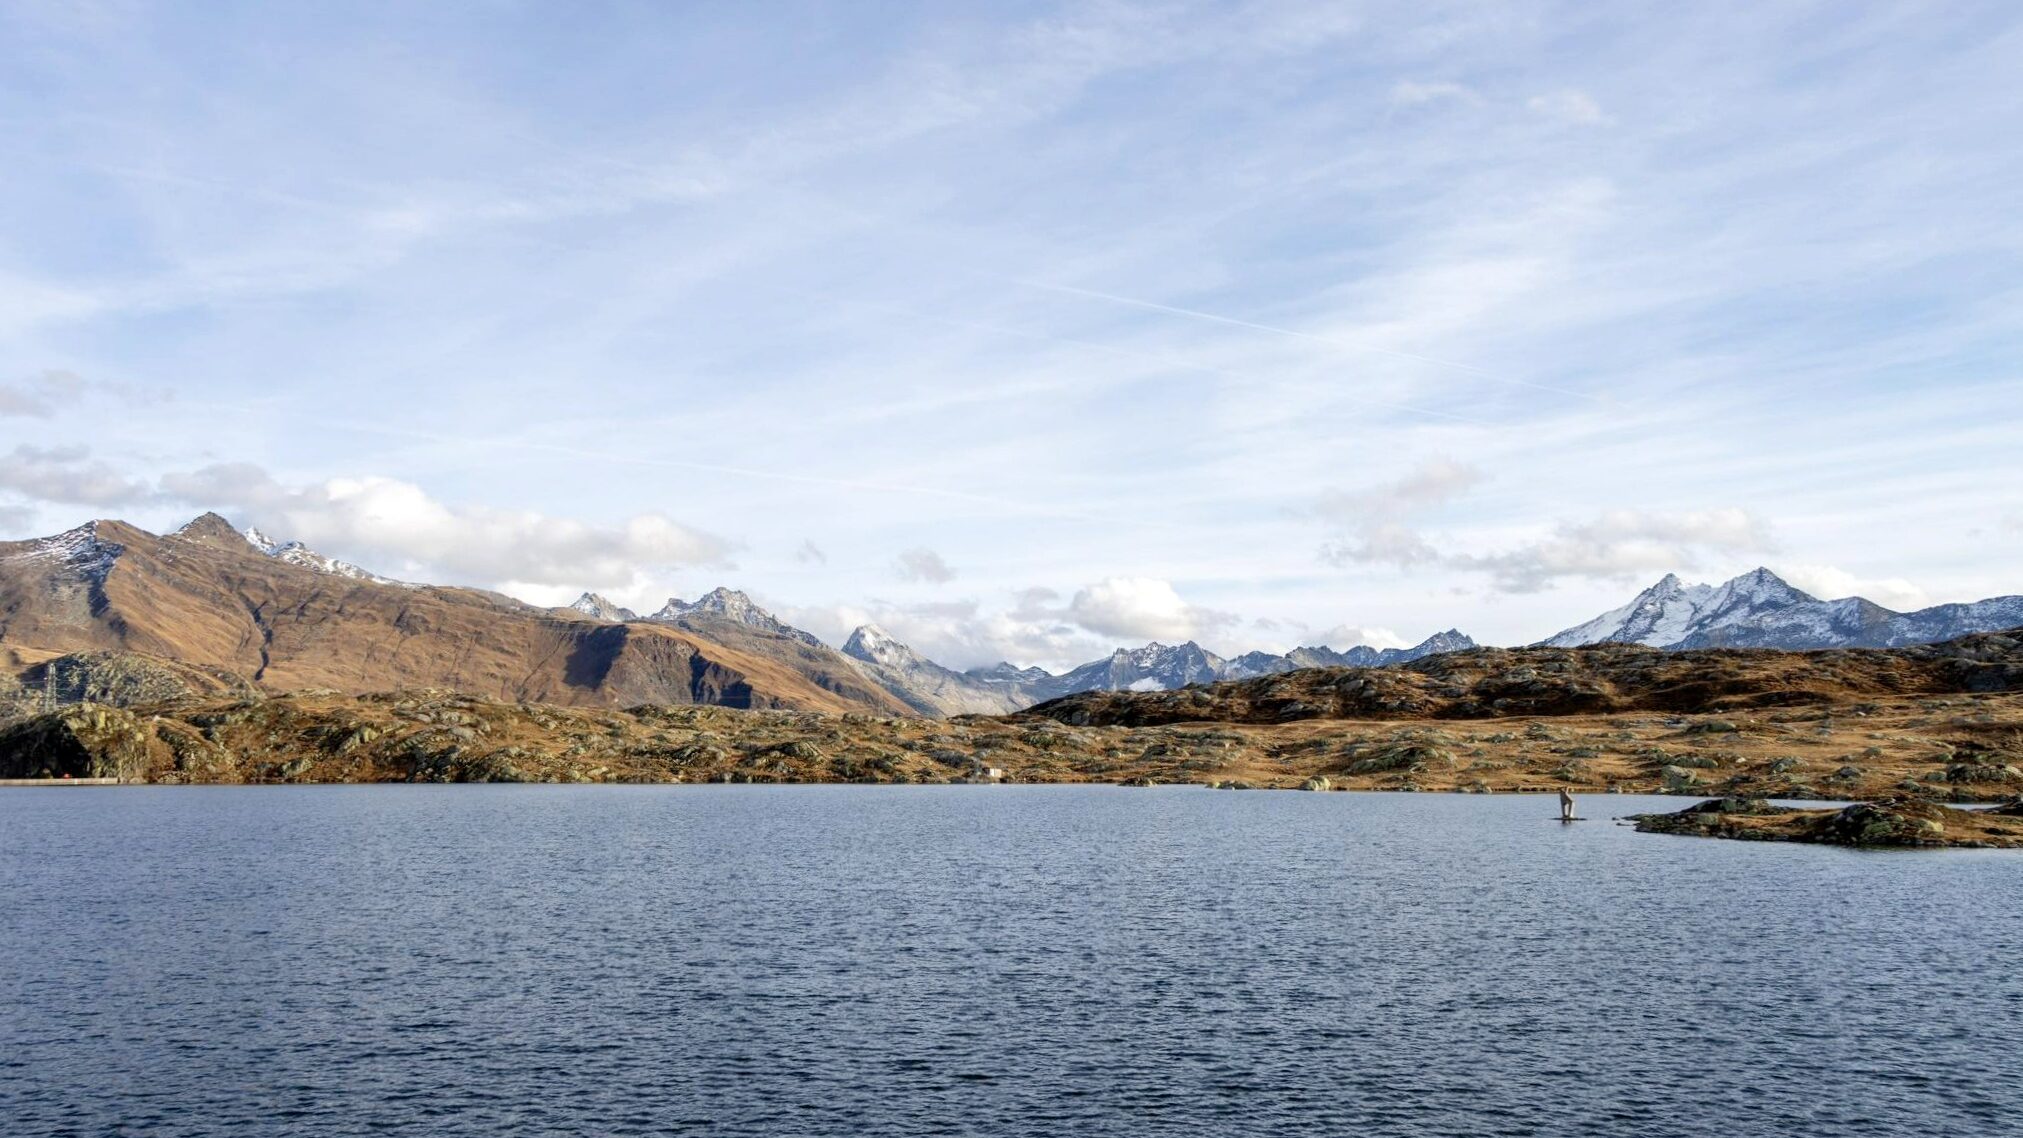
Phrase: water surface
(979, 960)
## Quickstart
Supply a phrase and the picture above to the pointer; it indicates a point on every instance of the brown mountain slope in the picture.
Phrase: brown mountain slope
(1600, 679)
(205, 597)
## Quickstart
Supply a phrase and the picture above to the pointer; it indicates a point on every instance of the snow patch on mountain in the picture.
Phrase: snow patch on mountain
(296, 553)
(81, 550)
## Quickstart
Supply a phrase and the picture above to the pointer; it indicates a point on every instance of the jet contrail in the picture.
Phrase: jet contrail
(1175, 310)
(1127, 353)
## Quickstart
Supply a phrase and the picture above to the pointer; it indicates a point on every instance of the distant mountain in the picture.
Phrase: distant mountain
(596, 605)
(1006, 674)
(1162, 667)
(1361, 656)
(721, 604)
(296, 553)
(1759, 609)
(1155, 667)
(926, 686)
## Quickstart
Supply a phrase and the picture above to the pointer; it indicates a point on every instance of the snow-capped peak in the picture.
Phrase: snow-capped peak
(872, 643)
(1669, 612)
(730, 605)
(296, 553)
(1659, 615)
(597, 605)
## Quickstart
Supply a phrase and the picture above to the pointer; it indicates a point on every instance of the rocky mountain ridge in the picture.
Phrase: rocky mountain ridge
(280, 617)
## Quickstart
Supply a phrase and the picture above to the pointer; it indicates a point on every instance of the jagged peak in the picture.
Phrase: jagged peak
(872, 643)
(602, 607)
(211, 528)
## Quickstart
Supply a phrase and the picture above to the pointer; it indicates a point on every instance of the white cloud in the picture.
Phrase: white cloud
(811, 554)
(1410, 93)
(69, 475)
(1430, 485)
(375, 518)
(1381, 543)
(1342, 637)
(1136, 608)
(924, 565)
(1620, 544)
(1376, 516)
(48, 392)
(1830, 583)
(1569, 105)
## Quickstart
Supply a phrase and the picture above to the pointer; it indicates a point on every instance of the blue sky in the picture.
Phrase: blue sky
(1027, 330)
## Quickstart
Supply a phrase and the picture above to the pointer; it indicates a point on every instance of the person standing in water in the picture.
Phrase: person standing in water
(1565, 805)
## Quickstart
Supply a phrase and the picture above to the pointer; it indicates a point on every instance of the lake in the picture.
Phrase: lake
(734, 960)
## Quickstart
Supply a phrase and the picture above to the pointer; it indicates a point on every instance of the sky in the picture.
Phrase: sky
(1030, 330)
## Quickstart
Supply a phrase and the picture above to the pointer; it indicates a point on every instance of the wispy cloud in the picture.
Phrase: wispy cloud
(1572, 106)
(1620, 546)
(43, 395)
(1411, 92)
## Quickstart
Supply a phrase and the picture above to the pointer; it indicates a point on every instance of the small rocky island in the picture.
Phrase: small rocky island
(1900, 823)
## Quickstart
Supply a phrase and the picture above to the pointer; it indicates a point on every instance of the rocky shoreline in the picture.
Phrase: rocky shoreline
(1891, 823)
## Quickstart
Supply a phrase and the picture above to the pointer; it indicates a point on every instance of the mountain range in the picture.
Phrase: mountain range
(1759, 609)
(283, 618)
(229, 607)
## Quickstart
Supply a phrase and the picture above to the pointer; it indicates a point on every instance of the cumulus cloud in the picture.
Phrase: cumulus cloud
(381, 521)
(924, 565)
(69, 476)
(1344, 636)
(1620, 544)
(1569, 105)
(1142, 608)
(1375, 518)
(385, 517)
(1828, 582)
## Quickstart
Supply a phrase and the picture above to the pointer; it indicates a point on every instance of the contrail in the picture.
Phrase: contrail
(1293, 333)
(1127, 353)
